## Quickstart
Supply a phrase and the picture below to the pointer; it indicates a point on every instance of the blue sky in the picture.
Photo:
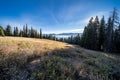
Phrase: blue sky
(54, 16)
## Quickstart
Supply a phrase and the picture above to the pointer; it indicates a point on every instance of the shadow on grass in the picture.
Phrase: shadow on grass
(69, 63)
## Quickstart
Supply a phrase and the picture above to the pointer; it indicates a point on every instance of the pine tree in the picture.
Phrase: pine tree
(2, 31)
(35, 33)
(95, 33)
(109, 37)
(14, 31)
(29, 33)
(83, 37)
(102, 36)
(112, 22)
(26, 31)
(117, 39)
(101, 33)
(32, 32)
(40, 33)
(17, 32)
(77, 39)
(87, 35)
(89, 38)
(21, 33)
(8, 31)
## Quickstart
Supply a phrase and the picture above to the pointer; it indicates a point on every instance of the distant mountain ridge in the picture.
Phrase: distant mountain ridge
(68, 33)
(63, 34)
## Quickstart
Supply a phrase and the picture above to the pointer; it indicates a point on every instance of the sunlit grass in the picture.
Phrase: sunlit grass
(17, 55)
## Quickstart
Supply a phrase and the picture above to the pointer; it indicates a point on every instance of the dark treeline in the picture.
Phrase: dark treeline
(25, 32)
(102, 36)
(97, 35)
(71, 40)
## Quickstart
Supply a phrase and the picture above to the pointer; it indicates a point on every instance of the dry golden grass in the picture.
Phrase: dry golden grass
(16, 44)
(17, 52)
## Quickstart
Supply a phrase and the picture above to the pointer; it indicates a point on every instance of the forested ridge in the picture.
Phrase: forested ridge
(101, 35)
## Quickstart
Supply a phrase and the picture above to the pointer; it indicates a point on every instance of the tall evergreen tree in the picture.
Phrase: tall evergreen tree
(101, 34)
(32, 32)
(77, 39)
(109, 45)
(117, 39)
(95, 33)
(29, 33)
(90, 38)
(40, 33)
(83, 37)
(15, 31)
(21, 33)
(108, 36)
(8, 31)
(26, 31)
(2, 31)
(89, 42)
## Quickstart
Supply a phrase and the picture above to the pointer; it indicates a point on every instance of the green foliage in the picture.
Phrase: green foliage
(25, 32)
(89, 38)
(117, 39)
(99, 36)
(8, 31)
(10, 65)
(16, 32)
(1, 32)
(21, 33)
(49, 36)
(72, 39)
(55, 68)
(40, 33)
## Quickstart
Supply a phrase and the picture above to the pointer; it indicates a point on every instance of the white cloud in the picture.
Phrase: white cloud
(75, 26)
(99, 14)
(68, 26)
(54, 17)
(78, 22)
(76, 30)
(87, 18)
(70, 12)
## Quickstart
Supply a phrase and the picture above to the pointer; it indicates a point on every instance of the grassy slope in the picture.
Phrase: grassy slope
(26, 58)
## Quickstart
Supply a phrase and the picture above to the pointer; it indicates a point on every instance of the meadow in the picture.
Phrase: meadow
(41, 59)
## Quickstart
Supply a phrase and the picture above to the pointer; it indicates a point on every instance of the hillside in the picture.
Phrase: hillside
(41, 59)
